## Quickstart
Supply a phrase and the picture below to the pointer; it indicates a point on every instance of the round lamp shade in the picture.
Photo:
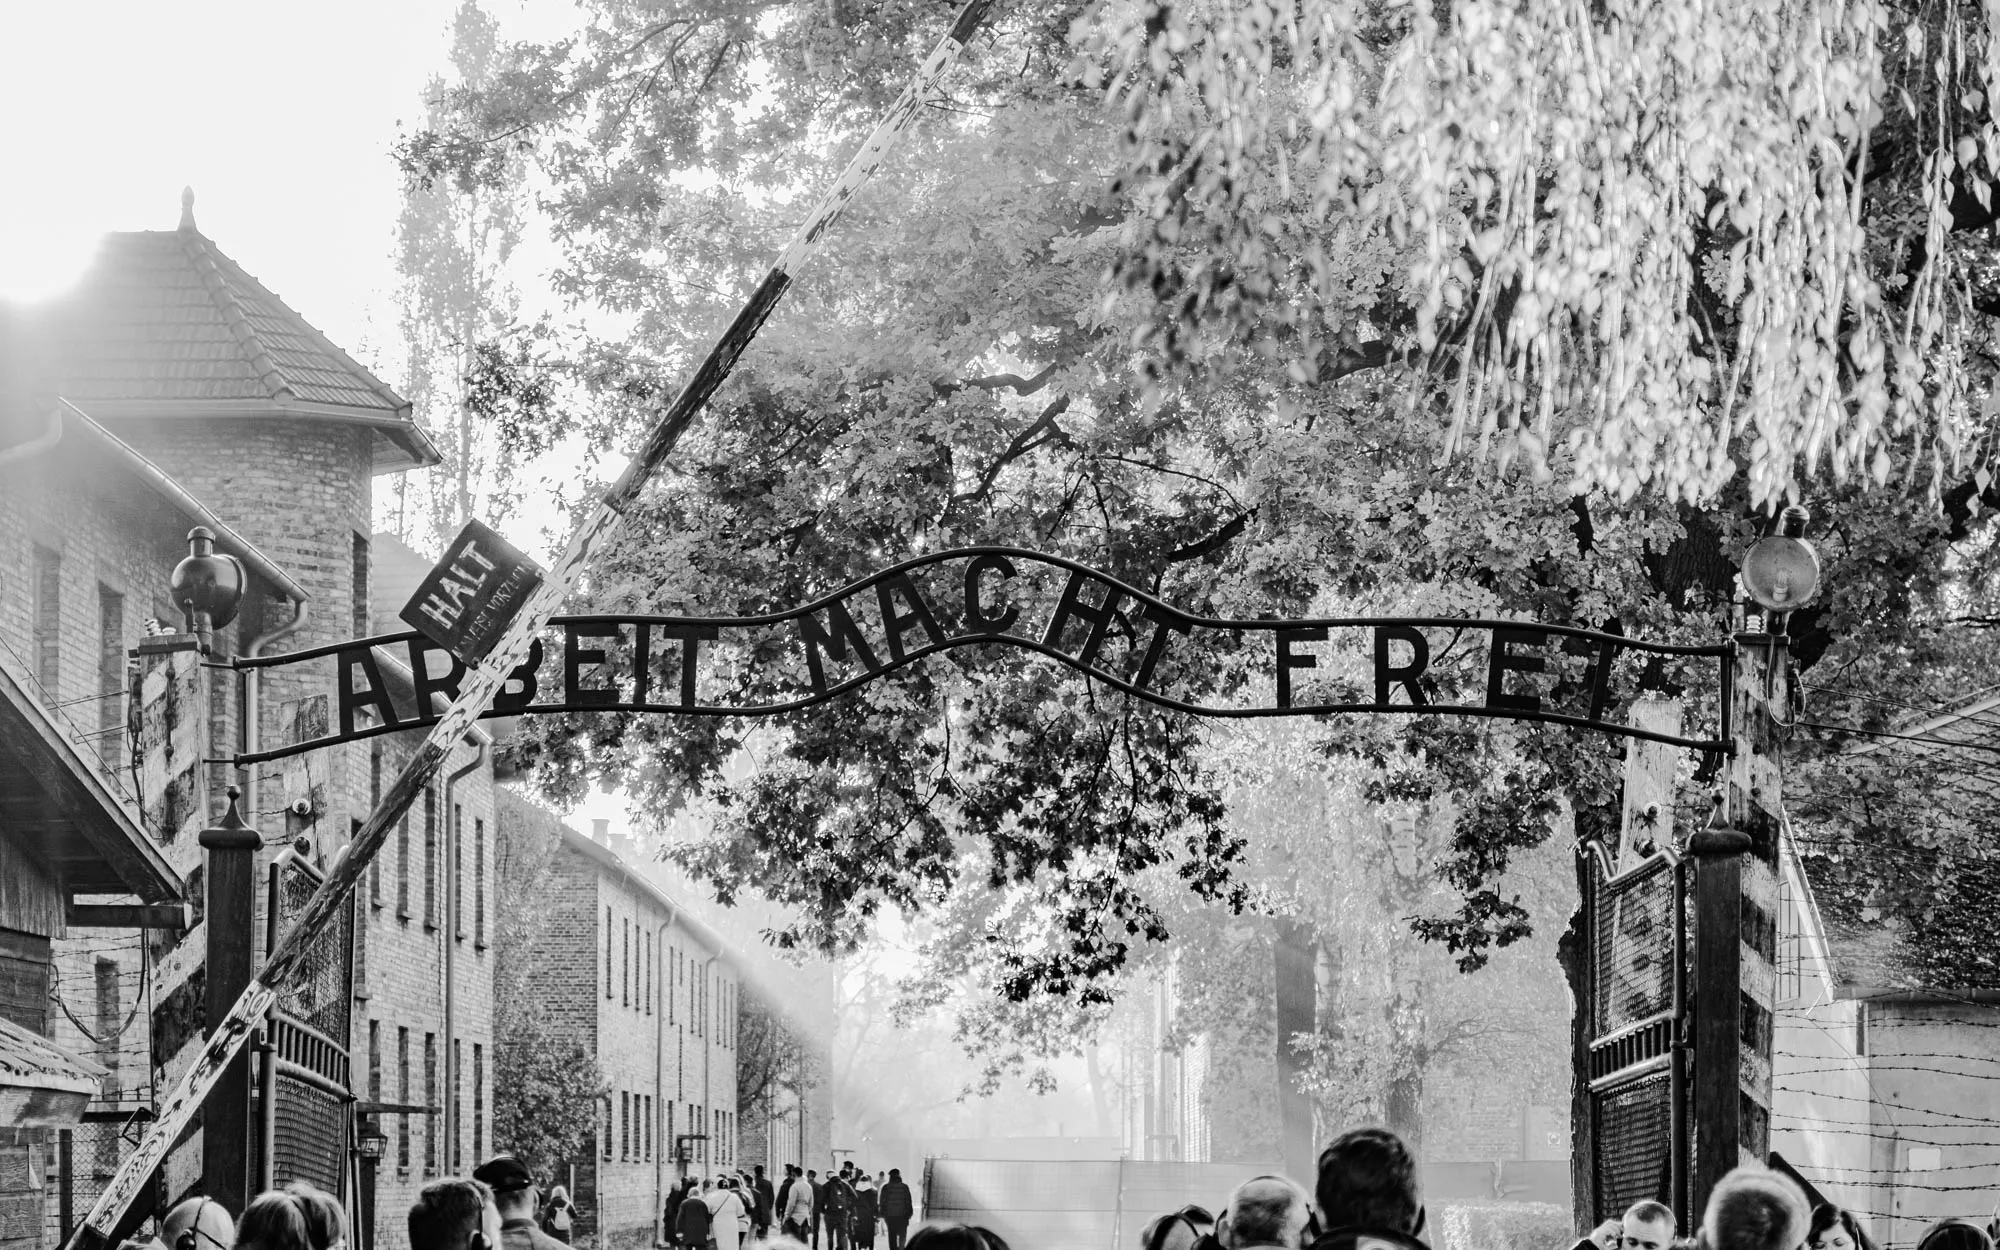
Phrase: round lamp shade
(1781, 574)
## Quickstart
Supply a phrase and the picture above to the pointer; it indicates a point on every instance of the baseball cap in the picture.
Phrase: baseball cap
(503, 1173)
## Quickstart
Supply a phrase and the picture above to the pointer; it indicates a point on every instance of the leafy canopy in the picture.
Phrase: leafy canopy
(1329, 296)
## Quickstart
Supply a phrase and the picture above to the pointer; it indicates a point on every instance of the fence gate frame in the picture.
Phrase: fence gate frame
(304, 1052)
(1633, 1075)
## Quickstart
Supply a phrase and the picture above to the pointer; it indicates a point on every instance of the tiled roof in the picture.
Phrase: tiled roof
(164, 319)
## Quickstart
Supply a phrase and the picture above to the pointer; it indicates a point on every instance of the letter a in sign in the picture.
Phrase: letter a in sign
(465, 603)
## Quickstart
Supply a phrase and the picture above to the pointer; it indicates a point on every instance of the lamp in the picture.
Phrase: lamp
(371, 1143)
(207, 588)
(1781, 571)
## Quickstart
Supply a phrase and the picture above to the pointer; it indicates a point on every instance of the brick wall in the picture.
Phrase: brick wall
(656, 1001)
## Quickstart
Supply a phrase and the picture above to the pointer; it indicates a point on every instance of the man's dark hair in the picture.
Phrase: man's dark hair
(1367, 1179)
(446, 1214)
(955, 1237)
(1647, 1211)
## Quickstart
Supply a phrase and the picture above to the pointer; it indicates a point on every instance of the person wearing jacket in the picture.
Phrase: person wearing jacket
(897, 1209)
(798, 1214)
(865, 1208)
(837, 1196)
(692, 1221)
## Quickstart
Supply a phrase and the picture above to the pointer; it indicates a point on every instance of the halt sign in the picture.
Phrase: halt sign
(466, 603)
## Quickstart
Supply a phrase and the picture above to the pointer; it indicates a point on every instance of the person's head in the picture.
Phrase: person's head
(759, 1170)
(1835, 1228)
(454, 1215)
(1754, 1208)
(1367, 1179)
(1264, 1211)
(512, 1185)
(1176, 1230)
(558, 1194)
(292, 1218)
(1648, 1225)
(895, 1174)
(707, 1184)
(1955, 1235)
(198, 1224)
(812, 1174)
(954, 1237)
(1609, 1235)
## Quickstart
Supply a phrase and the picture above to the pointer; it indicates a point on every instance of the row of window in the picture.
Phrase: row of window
(432, 874)
(433, 1127)
(643, 1130)
(635, 975)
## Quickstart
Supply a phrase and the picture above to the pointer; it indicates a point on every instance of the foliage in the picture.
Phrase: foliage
(453, 244)
(953, 372)
(774, 1057)
(546, 1091)
(1503, 1226)
(1635, 242)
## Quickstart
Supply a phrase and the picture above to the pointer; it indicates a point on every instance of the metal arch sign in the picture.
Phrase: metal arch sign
(786, 661)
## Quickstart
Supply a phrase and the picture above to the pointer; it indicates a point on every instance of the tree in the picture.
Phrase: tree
(546, 1091)
(775, 1062)
(454, 241)
(547, 1085)
(954, 373)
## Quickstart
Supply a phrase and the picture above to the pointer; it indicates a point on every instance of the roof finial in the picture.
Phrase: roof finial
(187, 208)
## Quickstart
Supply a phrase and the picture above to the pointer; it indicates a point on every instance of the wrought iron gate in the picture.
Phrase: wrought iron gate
(305, 1091)
(1635, 1065)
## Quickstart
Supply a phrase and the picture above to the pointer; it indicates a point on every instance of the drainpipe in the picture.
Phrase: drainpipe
(253, 683)
(451, 888)
(708, 1056)
(660, 1079)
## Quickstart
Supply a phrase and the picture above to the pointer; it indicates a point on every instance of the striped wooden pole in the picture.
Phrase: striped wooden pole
(484, 680)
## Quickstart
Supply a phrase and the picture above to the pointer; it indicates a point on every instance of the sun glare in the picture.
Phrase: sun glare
(39, 261)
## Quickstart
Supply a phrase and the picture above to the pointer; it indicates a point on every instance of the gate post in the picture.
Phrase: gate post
(231, 910)
(1735, 925)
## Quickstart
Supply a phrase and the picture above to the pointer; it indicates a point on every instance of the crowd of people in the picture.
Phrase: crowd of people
(846, 1210)
(1365, 1197)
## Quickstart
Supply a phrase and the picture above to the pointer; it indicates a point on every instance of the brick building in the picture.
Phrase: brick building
(171, 388)
(649, 988)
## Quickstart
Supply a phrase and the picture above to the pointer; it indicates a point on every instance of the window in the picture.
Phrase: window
(646, 1128)
(431, 1100)
(430, 858)
(46, 620)
(646, 977)
(375, 1061)
(667, 1138)
(625, 974)
(360, 585)
(110, 657)
(403, 867)
(375, 801)
(478, 1101)
(456, 1134)
(403, 1095)
(673, 975)
(610, 931)
(624, 1125)
(457, 900)
(479, 880)
(606, 1126)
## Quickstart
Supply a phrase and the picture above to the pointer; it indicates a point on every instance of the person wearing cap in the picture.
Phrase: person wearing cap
(515, 1197)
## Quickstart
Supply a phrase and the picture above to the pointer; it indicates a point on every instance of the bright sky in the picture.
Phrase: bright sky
(279, 116)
